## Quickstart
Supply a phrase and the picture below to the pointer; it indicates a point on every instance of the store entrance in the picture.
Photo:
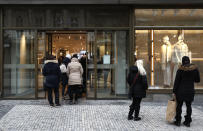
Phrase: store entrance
(61, 44)
(106, 59)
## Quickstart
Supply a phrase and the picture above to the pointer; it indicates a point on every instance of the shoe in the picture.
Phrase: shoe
(58, 104)
(177, 123)
(70, 102)
(75, 102)
(130, 117)
(51, 105)
(186, 124)
(137, 118)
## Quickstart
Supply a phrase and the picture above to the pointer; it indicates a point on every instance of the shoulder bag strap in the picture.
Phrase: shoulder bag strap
(135, 79)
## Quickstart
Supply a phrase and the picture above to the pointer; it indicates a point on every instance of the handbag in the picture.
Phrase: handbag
(171, 110)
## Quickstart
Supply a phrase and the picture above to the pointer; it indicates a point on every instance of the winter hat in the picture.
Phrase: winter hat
(68, 56)
(185, 60)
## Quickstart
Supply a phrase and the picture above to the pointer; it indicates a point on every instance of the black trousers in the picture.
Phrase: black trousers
(135, 106)
(56, 92)
(188, 118)
(74, 89)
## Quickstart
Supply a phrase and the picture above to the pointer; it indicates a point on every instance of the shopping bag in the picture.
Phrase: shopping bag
(171, 110)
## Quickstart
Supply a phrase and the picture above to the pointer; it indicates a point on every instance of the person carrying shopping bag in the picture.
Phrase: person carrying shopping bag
(183, 89)
(138, 85)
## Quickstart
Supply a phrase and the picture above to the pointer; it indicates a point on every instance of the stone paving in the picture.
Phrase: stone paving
(89, 115)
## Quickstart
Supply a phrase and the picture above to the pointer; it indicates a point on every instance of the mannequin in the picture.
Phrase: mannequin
(180, 49)
(166, 51)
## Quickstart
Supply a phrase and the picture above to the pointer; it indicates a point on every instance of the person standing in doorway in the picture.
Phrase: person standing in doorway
(138, 85)
(64, 77)
(74, 72)
(52, 73)
(183, 89)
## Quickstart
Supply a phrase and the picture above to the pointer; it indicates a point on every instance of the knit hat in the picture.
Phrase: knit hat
(185, 60)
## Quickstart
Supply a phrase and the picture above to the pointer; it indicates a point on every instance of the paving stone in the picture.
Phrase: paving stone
(91, 117)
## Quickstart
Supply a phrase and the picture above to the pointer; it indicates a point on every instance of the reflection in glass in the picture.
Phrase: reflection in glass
(19, 73)
(165, 53)
(168, 17)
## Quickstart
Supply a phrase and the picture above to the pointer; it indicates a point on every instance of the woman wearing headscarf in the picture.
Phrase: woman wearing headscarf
(183, 89)
(74, 72)
(52, 73)
(138, 85)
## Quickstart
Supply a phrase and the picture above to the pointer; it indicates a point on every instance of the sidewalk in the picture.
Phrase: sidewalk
(89, 115)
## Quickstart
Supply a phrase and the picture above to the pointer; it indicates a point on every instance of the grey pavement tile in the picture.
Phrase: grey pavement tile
(92, 117)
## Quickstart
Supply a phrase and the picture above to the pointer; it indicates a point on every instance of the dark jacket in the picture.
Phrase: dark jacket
(64, 77)
(52, 73)
(184, 82)
(139, 87)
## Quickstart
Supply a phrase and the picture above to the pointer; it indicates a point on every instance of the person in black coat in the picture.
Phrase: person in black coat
(52, 74)
(64, 77)
(138, 85)
(183, 89)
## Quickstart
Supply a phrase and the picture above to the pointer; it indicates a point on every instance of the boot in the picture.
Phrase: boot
(137, 111)
(177, 123)
(187, 121)
(130, 114)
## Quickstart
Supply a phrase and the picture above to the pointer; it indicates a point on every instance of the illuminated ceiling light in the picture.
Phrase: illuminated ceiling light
(154, 13)
(162, 12)
(192, 12)
(69, 37)
(176, 12)
(80, 37)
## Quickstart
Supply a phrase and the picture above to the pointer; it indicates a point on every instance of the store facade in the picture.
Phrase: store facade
(114, 35)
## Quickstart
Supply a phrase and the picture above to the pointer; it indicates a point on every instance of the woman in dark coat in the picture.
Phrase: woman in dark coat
(64, 77)
(138, 85)
(183, 89)
(52, 73)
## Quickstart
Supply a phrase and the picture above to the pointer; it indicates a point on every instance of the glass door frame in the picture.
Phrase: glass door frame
(95, 30)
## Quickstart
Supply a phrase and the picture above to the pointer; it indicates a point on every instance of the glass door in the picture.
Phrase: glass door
(41, 54)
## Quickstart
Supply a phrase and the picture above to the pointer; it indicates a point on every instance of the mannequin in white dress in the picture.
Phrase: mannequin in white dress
(180, 49)
(166, 51)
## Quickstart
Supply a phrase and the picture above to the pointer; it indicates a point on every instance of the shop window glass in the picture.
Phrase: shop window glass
(19, 65)
(162, 52)
(168, 17)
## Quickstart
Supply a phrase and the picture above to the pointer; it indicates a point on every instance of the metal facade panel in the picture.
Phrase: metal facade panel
(162, 2)
(143, 2)
(59, 1)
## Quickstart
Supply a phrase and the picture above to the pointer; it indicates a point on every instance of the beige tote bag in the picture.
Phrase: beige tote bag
(171, 110)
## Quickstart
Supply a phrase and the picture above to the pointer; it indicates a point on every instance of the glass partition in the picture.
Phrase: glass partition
(19, 65)
(162, 52)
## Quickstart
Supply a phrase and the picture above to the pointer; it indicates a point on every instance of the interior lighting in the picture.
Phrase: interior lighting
(69, 37)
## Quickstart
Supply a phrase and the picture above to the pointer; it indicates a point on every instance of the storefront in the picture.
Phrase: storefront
(112, 35)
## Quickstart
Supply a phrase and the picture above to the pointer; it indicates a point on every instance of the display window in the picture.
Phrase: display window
(162, 52)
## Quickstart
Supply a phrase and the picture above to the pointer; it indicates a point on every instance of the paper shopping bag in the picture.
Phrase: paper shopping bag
(171, 111)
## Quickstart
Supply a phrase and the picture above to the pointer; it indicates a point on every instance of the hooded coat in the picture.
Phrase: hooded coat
(52, 73)
(139, 86)
(74, 72)
(186, 76)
